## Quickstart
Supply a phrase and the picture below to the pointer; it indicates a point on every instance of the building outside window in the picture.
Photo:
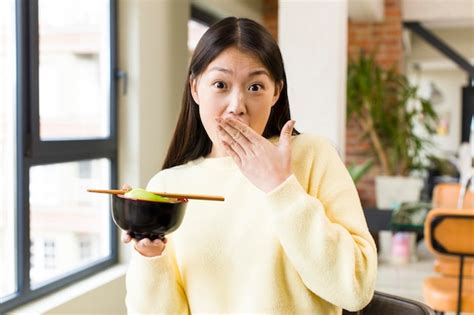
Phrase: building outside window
(57, 93)
(49, 254)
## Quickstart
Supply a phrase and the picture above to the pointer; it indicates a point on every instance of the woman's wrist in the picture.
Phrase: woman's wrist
(272, 184)
(147, 253)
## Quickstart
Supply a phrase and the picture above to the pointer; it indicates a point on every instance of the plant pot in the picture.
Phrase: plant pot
(391, 191)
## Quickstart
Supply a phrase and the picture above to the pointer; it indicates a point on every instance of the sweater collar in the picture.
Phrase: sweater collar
(216, 163)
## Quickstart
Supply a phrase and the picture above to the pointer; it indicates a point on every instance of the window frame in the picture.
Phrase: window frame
(32, 151)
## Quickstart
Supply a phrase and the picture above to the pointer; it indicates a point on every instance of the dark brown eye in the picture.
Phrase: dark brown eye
(255, 87)
(219, 85)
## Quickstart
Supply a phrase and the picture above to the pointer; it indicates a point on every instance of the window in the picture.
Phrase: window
(85, 170)
(86, 248)
(58, 211)
(73, 69)
(58, 134)
(49, 255)
(32, 254)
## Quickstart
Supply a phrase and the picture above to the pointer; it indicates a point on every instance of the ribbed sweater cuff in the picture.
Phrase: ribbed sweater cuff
(286, 194)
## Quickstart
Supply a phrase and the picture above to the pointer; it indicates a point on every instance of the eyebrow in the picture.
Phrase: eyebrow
(251, 74)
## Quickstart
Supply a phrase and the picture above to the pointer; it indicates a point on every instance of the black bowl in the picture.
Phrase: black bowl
(147, 219)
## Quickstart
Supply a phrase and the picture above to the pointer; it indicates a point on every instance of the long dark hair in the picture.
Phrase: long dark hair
(190, 140)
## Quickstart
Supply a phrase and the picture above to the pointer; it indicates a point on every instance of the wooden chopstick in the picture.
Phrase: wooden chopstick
(108, 191)
(170, 195)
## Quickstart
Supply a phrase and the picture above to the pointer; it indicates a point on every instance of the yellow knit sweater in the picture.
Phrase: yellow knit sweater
(303, 248)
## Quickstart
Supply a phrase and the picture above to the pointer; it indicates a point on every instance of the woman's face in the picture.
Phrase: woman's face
(234, 84)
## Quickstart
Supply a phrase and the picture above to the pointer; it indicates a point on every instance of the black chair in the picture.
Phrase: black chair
(387, 304)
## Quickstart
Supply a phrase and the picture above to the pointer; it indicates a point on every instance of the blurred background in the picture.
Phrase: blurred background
(90, 91)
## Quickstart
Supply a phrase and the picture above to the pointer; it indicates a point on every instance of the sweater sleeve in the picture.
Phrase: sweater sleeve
(323, 231)
(154, 284)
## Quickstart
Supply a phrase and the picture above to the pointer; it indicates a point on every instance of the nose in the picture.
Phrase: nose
(236, 104)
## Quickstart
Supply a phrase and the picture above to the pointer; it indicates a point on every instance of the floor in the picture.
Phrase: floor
(406, 280)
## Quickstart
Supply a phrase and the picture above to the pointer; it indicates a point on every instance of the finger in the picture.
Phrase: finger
(126, 187)
(126, 237)
(144, 242)
(227, 138)
(232, 153)
(240, 131)
(286, 132)
(233, 132)
(237, 137)
(158, 244)
(245, 130)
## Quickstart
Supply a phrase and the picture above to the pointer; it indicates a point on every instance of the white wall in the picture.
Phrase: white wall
(313, 40)
(449, 82)
(105, 299)
(426, 65)
(153, 50)
(439, 12)
(460, 39)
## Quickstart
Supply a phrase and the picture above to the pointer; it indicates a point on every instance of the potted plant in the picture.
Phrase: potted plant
(398, 123)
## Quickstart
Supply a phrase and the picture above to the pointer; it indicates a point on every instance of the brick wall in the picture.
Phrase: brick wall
(385, 39)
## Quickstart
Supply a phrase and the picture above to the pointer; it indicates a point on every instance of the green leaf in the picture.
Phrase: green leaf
(358, 171)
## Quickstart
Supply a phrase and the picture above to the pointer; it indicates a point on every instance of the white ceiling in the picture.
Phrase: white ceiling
(439, 13)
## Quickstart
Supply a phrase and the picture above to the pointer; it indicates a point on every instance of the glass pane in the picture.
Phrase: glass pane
(74, 69)
(7, 147)
(69, 226)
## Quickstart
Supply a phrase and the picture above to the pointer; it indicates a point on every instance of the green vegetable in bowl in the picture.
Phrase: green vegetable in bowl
(142, 194)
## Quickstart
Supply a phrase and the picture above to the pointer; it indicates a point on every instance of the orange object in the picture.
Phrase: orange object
(449, 266)
(441, 293)
(450, 233)
(445, 195)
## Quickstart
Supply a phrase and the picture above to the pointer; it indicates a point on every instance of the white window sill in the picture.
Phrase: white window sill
(74, 291)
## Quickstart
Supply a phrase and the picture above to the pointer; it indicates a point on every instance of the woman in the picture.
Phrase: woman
(291, 237)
